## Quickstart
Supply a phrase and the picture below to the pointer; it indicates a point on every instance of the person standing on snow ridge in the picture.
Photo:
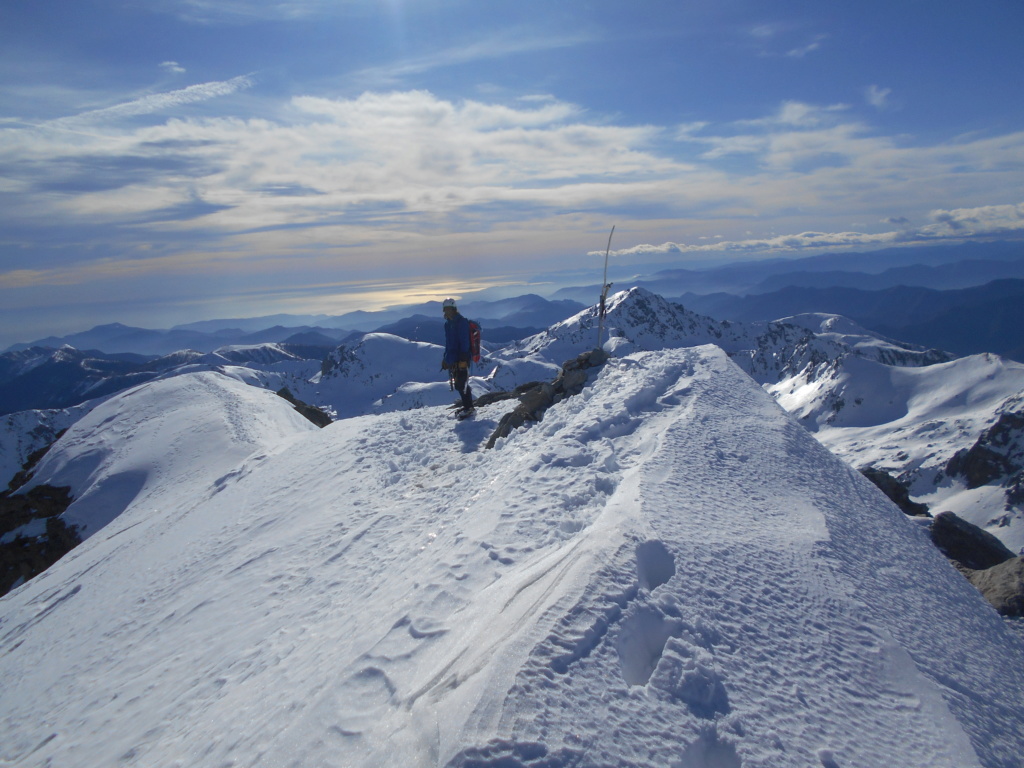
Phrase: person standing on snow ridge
(457, 352)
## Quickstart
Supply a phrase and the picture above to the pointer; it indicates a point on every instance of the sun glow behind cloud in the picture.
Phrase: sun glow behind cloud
(380, 139)
(406, 179)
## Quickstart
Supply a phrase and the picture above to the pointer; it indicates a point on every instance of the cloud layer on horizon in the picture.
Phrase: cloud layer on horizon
(387, 181)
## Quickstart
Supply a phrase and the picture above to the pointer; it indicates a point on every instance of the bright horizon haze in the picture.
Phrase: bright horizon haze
(177, 160)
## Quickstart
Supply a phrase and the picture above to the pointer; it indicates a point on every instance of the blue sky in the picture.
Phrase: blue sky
(163, 161)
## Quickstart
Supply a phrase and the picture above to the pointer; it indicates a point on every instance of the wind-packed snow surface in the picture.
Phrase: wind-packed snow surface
(666, 571)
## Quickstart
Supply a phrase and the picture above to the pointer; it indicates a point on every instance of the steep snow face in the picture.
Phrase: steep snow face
(176, 436)
(666, 571)
(911, 421)
(25, 432)
(866, 343)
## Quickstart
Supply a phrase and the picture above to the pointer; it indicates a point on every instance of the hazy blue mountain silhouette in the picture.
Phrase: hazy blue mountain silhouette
(966, 321)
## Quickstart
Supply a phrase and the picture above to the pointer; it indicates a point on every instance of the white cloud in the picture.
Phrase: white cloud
(973, 222)
(764, 31)
(802, 115)
(959, 224)
(777, 244)
(390, 171)
(172, 67)
(800, 51)
(877, 96)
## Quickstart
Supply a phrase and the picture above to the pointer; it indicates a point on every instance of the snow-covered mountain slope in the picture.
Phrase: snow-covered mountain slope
(25, 432)
(175, 437)
(864, 343)
(874, 401)
(666, 571)
(911, 421)
(63, 378)
(640, 320)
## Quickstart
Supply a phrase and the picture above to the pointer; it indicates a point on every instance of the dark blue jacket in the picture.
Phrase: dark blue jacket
(456, 341)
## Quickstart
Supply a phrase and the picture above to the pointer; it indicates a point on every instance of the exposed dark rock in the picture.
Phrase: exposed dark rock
(967, 544)
(997, 454)
(896, 492)
(311, 412)
(1015, 489)
(977, 465)
(42, 501)
(496, 397)
(536, 398)
(532, 405)
(28, 468)
(1002, 585)
(24, 557)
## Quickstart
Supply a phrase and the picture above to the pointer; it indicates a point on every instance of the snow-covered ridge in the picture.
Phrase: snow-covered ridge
(874, 401)
(667, 570)
(640, 320)
(851, 387)
(132, 450)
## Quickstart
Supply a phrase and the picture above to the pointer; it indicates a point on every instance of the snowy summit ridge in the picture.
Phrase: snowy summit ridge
(666, 571)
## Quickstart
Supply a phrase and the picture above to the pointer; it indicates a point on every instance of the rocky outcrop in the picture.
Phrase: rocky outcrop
(25, 553)
(310, 412)
(1003, 586)
(537, 398)
(996, 572)
(998, 454)
(896, 492)
(967, 544)
(29, 467)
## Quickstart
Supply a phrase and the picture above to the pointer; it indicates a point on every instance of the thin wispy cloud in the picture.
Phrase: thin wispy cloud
(508, 44)
(210, 11)
(157, 102)
(803, 50)
(785, 39)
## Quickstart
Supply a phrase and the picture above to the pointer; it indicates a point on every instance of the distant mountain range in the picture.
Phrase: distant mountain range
(41, 378)
(115, 338)
(966, 321)
(940, 266)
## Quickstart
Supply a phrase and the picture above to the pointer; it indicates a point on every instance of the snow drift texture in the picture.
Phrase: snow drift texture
(666, 571)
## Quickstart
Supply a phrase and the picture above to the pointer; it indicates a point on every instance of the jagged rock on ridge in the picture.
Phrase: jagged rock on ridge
(896, 491)
(535, 400)
(311, 412)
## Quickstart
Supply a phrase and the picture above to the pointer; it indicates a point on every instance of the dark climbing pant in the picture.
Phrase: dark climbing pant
(462, 387)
